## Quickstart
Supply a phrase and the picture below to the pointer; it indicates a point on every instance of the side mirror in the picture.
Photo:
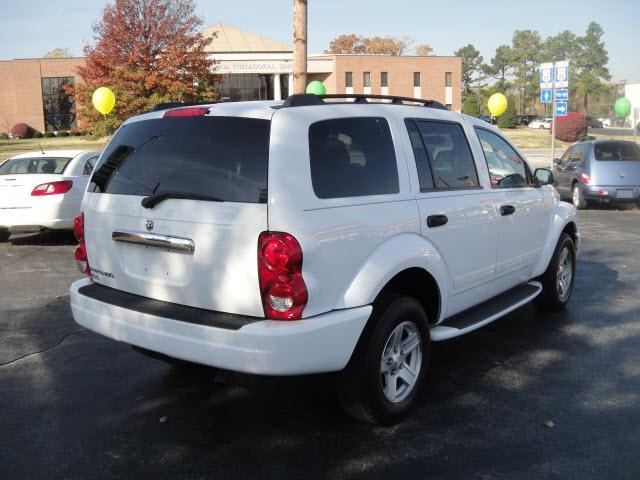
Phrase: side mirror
(543, 176)
(556, 161)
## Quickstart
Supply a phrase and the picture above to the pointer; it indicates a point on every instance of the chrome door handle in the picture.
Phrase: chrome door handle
(177, 244)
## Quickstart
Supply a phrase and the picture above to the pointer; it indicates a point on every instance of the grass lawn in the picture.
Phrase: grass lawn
(11, 147)
(534, 138)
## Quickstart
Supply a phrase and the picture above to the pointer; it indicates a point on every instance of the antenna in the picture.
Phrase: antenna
(41, 149)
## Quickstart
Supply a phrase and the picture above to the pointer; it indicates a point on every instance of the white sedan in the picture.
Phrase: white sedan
(542, 124)
(43, 190)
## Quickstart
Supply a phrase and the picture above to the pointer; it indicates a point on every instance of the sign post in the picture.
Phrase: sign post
(554, 88)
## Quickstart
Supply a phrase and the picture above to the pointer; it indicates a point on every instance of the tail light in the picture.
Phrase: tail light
(80, 255)
(284, 293)
(585, 178)
(52, 188)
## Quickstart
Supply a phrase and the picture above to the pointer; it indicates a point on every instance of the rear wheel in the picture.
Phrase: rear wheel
(387, 370)
(577, 197)
(559, 278)
(4, 235)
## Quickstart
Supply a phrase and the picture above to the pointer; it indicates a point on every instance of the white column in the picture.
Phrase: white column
(277, 94)
(290, 83)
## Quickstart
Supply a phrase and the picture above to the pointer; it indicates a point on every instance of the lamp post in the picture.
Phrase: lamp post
(299, 46)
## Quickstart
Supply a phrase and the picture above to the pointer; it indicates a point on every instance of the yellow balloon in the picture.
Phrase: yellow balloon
(103, 100)
(497, 104)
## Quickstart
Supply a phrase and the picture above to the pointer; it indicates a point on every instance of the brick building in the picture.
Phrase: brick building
(31, 92)
(252, 67)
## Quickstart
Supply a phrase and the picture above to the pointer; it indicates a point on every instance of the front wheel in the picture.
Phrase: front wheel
(387, 370)
(559, 278)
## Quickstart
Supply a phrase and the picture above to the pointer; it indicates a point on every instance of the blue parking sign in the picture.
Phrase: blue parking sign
(546, 95)
(561, 109)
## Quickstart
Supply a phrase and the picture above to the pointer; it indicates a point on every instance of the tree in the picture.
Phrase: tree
(357, 44)
(59, 53)
(500, 64)
(591, 64)
(147, 52)
(471, 64)
(525, 48)
(470, 106)
(424, 50)
(347, 44)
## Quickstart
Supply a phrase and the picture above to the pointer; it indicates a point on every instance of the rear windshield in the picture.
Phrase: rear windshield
(224, 157)
(616, 151)
(37, 165)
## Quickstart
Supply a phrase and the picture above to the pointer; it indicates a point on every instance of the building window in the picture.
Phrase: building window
(447, 79)
(366, 79)
(348, 79)
(384, 79)
(416, 79)
(59, 109)
(247, 86)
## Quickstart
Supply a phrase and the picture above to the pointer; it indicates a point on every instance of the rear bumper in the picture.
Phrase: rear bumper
(53, 215)
(630, 194)
(323, 343)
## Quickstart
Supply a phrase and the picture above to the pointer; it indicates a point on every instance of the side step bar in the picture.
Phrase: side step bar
(487, 312)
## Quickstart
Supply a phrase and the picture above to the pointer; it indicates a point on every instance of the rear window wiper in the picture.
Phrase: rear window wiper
(152, 200)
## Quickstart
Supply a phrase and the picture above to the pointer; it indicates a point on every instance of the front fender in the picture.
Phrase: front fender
(562, 214)
(385, 262)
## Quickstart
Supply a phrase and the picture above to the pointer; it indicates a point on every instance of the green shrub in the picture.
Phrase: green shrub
(509, 119)
(48, 134)
(105, 126)
(470, 106)
(76, 133)
(37, 134)
(62, 133)
(4, 136)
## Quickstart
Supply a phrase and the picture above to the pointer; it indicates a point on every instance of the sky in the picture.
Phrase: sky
(30, 29)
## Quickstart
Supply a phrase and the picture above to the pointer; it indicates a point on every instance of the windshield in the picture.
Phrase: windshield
(222, 157)
(37, 165)
(616, 151)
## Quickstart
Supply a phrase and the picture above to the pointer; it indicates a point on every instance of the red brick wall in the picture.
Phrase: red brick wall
(400, 75)
(21, 88)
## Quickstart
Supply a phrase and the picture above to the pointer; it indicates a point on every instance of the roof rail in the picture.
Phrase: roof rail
(307, 99)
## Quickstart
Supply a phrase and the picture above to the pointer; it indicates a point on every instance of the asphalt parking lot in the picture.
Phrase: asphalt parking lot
(76, 405)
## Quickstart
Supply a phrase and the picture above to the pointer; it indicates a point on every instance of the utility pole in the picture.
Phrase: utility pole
(299, 46)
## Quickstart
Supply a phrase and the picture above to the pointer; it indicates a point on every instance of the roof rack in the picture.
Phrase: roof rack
(309, 99)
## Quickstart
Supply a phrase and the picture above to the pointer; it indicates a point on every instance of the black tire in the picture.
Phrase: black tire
(4, 235)
(577, 197)
(550, 299)
(360, 384)
(174, 362)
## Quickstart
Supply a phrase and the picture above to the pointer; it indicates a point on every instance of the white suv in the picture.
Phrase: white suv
(316, 236)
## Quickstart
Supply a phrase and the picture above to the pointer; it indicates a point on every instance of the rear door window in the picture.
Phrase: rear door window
(442, 153)
(352, 157)
(224, 157)
(46, 165)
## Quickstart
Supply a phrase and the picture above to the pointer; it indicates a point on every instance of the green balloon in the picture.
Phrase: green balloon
(316, 87)
(622, 107)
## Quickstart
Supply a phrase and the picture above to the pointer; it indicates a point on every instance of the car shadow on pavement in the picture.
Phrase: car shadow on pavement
(44, 238)
(110, 411)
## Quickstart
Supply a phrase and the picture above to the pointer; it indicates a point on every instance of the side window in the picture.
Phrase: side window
(89, 164)
(448, 153)
(420, 154)
(577, 154)
(352, 157)
(506, 168)
(565, 156)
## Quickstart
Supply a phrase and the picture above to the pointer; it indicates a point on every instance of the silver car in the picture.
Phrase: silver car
(599, 171)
